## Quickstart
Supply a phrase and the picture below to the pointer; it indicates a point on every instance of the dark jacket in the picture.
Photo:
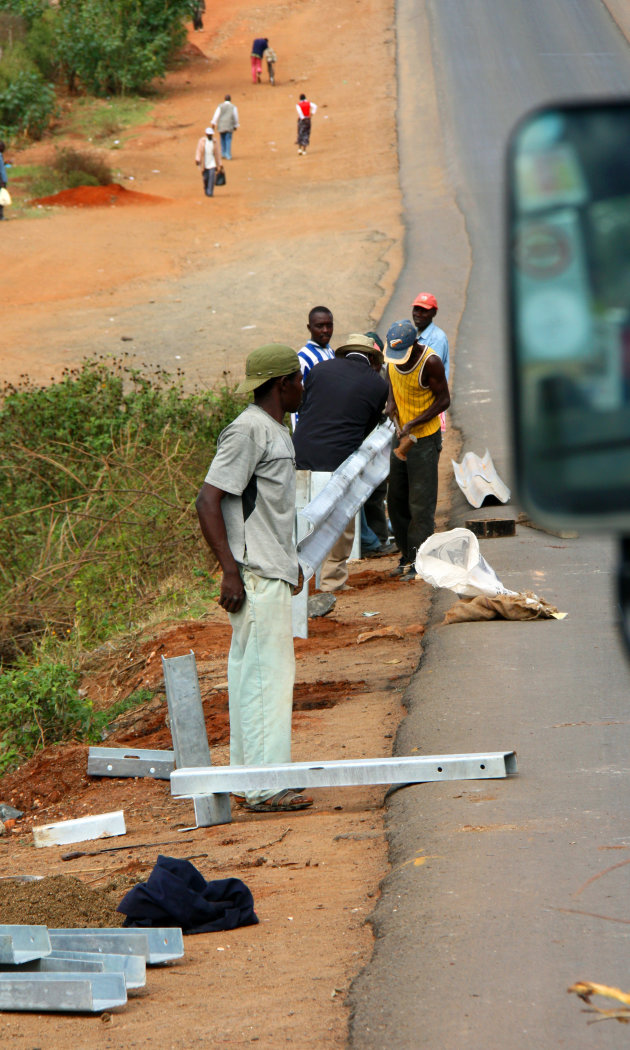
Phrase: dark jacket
(343, 401)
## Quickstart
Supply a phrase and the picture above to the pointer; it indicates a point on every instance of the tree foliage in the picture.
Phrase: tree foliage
(101, 47)
(117, 46)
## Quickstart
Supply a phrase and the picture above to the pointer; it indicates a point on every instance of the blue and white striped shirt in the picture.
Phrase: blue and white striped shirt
(310, 355)
(313, 354)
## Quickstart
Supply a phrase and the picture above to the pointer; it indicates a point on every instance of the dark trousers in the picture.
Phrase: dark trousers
(375, 512)
(412, 495)
(208, 175)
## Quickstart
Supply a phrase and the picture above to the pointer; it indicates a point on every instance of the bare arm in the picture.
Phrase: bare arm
(214, 532)
(434, 378)
(391, 408)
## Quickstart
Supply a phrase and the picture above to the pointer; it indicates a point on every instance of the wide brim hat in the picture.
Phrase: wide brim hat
(268, 362)
(400, 341)
(357, 343)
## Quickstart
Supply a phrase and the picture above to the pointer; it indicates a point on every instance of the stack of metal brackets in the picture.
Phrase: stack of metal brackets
(79, 971)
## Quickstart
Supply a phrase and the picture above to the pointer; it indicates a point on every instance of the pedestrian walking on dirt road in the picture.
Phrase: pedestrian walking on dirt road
(225, 121)
(246, 510)
(259, 47)
(418, 392)
(198, 11)
(271, 58)
(208, 158)
(305, 111)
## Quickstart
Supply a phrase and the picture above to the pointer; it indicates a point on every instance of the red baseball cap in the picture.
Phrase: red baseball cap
(425, 299)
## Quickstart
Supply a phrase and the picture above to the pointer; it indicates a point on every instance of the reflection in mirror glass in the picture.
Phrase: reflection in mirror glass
(569, 183)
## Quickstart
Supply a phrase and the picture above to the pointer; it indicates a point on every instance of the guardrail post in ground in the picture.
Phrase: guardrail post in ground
(188, 729)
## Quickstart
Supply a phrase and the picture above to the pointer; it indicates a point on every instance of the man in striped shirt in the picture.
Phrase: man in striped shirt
(318, 348)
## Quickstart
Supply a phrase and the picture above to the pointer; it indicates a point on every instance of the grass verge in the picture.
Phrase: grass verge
(104, 121)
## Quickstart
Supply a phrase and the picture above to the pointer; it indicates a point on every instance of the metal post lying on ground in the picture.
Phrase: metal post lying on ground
(404, 770)
(19, 944)
(62, 992)
(188, 729)
(130, 762)
(132, 967)
(157, 945)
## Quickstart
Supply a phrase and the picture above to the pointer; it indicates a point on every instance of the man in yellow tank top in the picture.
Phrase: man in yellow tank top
(418, 392)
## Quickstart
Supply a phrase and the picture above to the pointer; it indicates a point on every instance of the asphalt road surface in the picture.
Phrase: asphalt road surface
(503, 893)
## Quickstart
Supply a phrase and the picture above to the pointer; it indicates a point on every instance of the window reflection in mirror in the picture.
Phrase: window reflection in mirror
(569, 249)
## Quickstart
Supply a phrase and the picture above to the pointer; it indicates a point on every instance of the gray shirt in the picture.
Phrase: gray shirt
(255, 465)
(225, 117)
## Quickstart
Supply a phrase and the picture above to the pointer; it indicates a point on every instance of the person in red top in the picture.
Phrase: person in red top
(305, 110)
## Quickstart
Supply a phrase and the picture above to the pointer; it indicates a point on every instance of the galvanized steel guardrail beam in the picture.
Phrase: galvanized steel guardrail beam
(345, 773)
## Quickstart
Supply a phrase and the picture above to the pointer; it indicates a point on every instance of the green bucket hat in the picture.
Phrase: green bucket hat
(268, 362)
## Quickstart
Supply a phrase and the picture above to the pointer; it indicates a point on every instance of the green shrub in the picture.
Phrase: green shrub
(81, 168)
(96, 497)
(28, 10)
(27, 105)
(39, 705)
(41, 45)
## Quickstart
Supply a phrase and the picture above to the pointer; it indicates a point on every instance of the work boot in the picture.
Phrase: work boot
(402, 567)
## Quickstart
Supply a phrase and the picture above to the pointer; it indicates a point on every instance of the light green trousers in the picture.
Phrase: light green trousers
(261, 674)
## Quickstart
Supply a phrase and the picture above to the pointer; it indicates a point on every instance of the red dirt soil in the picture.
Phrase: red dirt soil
(99, 197)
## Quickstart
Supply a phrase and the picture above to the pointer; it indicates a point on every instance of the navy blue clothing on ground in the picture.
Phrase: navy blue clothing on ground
(343, 401)
(176, 894)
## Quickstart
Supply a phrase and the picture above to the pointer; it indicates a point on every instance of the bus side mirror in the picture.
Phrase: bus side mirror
(568, 179)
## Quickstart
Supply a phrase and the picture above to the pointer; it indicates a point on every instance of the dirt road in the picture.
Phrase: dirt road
(197, 283)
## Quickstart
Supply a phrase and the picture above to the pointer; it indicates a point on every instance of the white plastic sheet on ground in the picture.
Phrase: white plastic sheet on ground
(477, 478)
(453, 559)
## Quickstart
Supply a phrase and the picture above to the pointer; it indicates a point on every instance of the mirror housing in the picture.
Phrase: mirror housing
(568, 266)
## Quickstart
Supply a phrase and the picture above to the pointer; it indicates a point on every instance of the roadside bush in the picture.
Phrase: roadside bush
(41, 45)
(82, 168)
(96, 498)
(41, 704)
(68, 169)
(27, 105)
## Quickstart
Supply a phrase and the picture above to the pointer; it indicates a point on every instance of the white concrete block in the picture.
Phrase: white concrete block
(100, 826)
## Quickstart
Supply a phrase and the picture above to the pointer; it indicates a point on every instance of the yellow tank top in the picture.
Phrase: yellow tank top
(413, 399)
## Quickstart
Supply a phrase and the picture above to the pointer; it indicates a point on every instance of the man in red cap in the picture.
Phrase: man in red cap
(424, 310)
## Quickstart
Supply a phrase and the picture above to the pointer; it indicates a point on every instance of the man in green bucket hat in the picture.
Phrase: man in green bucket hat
(246, 510)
